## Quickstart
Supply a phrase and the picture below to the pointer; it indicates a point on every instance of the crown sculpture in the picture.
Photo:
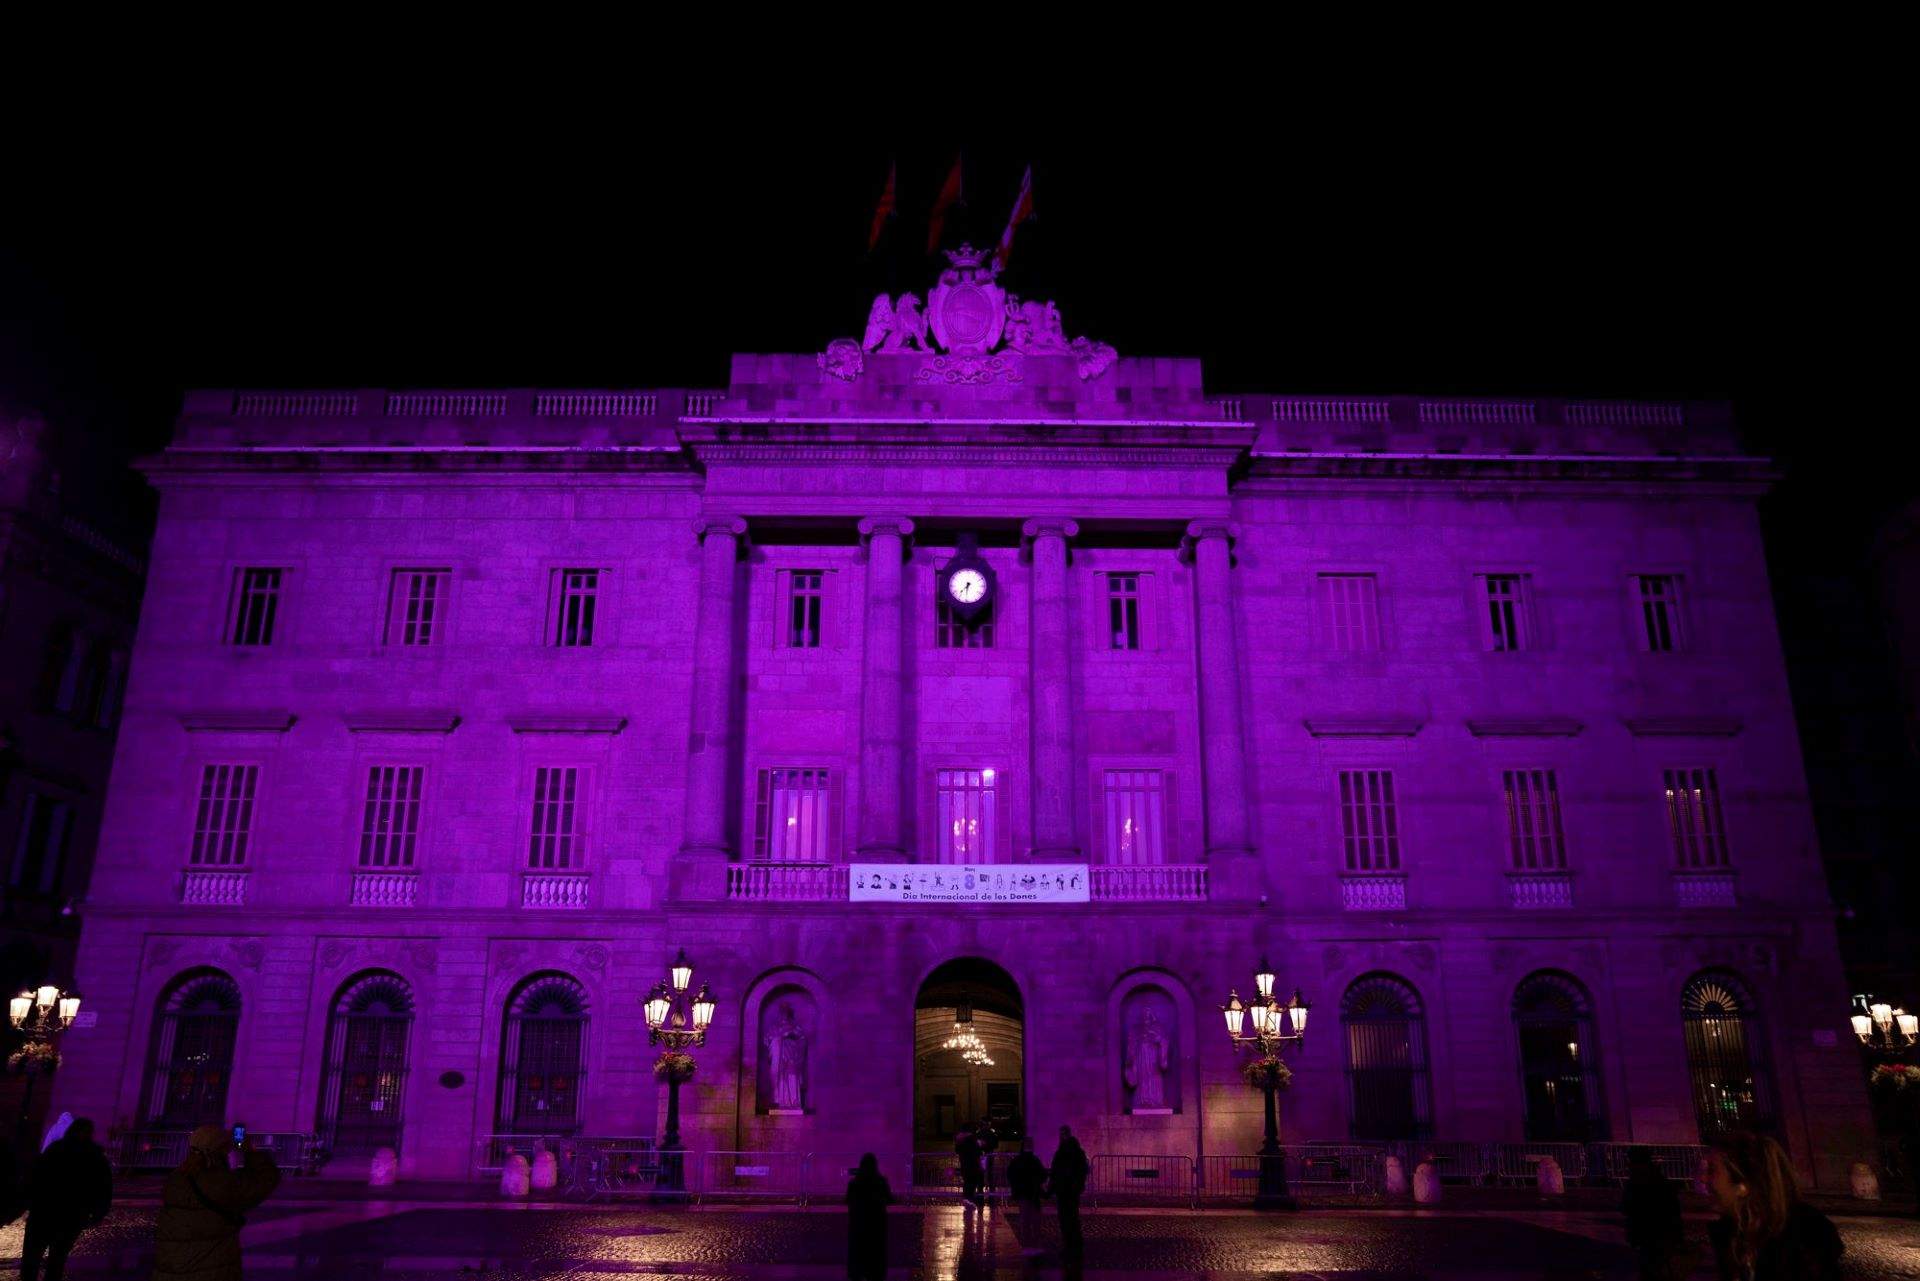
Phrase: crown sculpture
(972, 331)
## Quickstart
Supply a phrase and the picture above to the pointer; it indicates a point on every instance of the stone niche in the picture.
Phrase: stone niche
(788, 1049)
(1149, 1064)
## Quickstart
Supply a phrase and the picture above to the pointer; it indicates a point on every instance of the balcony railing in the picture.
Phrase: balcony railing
(1374, 891)
(385, 889)
(1703, 888)
(1540, 889)
(1150, 883)
(226, 888)
(553, 889)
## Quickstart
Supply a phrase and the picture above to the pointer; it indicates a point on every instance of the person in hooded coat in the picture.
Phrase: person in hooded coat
(70, 1190)
(1067, 1178)
(868, 1196)
(203, 1206)
(1652, 1210)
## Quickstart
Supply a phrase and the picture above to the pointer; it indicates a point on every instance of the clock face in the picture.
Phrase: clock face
(967, 586)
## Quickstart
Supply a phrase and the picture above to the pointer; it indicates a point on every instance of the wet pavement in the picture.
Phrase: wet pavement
(410, 1241)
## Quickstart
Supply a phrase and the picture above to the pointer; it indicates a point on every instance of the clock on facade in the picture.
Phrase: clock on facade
(966, 581)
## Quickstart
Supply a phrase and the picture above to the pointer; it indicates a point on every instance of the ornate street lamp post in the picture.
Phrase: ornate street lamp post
(678, 1022)
(1274, 1027)
(1890, 1035)
(37, 1016)
(1883, 1028)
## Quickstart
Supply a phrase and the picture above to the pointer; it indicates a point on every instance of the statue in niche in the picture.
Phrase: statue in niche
(1146, 1073)
(787, 1062)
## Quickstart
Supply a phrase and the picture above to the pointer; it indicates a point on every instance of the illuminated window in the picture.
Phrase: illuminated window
(1349, 607)
(1134, 816)
(417, 606)
(1534, 835)
(964, 805)
(1693, 818)
(1369, 820)
(790, 816)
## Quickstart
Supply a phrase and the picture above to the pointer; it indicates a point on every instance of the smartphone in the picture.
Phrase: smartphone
(239, 1135)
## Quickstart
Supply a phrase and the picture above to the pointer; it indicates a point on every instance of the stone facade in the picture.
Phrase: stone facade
(709, 520)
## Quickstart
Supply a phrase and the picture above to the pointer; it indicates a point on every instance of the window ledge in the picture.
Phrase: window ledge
(274, 721)
(565, 723)
(1364, 726)
(401, 722)
(1683, 726)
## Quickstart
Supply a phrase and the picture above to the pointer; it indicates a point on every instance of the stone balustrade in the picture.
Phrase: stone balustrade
(1540, 889)
(225, 888)
(1704, 888)
(385, 888)
(553, 889)
(1374, 891)
(787, 882)
(1150, 883)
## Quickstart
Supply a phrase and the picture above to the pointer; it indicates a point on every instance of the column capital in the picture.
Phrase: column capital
(899, 526)
(1211, 527)
(1056, 526)
(719, 523)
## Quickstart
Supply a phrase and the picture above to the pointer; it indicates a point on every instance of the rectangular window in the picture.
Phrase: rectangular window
(390, 823)
(223, 824)
(1693, 818)
(1349, 612)
(1660, 613)
(964, 802)
(1507, 605)
(416, 606)
(558, 835)
(1369, 821)
(1534, 834)
(576, 601)
(255, 605)
(1135, 823)
(806, 593)
(1123, 611)
(950, 631)
(790, 816)
(40, 852)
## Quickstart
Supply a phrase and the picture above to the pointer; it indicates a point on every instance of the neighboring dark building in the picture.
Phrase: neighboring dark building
(69, 597)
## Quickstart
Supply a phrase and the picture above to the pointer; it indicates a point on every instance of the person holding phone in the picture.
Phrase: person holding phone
(204, 1203)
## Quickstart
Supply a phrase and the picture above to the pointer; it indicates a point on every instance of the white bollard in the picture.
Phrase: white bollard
(1396, 1177)
(384, 1169)
(1547, 1177)
(1426, 1184)
(1866, 1184)
(516, 1177)
(546, 1169)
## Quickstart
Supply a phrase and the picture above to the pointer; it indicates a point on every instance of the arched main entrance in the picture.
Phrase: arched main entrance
(969, 1054)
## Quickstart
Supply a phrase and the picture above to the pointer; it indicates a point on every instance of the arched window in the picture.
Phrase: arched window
(366, 1064)
(1724, 1055)
(190, 1058)
(543, 1057)
(1386, 1059)
(1553, 1022)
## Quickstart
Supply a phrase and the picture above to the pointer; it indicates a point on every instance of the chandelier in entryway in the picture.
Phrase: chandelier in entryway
(972, 1049)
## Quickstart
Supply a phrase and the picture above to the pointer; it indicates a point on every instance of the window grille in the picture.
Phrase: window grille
(543, 1057)
(1731, 1089)
(190, 1059)
(1553, 1023)
(1389, 1092)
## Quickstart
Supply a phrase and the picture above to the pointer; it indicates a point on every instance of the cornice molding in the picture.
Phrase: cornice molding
(401, 722)
(238, 721)
(1364, 726)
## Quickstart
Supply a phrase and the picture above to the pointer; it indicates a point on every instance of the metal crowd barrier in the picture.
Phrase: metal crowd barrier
(133, 1150)
(1520, 1162)
(1317, 1171)
(1678, 1161)
(496, 1148)
(827, 1173)
(778, 1176)
(1115, 1179)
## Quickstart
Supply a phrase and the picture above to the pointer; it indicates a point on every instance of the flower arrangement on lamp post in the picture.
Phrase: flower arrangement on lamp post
(37, 1016)
(1890, 1034)
(1274, 1027)
(679, 1022)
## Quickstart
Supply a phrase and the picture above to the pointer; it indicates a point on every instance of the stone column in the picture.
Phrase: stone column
(1052, 762)
(882, 733)
(1223, 751)
(710, 731)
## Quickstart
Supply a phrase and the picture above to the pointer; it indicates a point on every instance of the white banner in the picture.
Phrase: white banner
(967, 883)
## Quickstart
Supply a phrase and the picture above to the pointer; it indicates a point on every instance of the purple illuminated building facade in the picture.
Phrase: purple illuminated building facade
(454, 715)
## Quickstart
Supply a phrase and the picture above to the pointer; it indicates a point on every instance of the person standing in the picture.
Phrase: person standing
(1765, 1231)
(972, 1175)
(1067, 1176)
(1652, 1210)
(989, 1140)
(203, 1206)
(868, 1196)
(70, 1189)
(1026, 1183)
